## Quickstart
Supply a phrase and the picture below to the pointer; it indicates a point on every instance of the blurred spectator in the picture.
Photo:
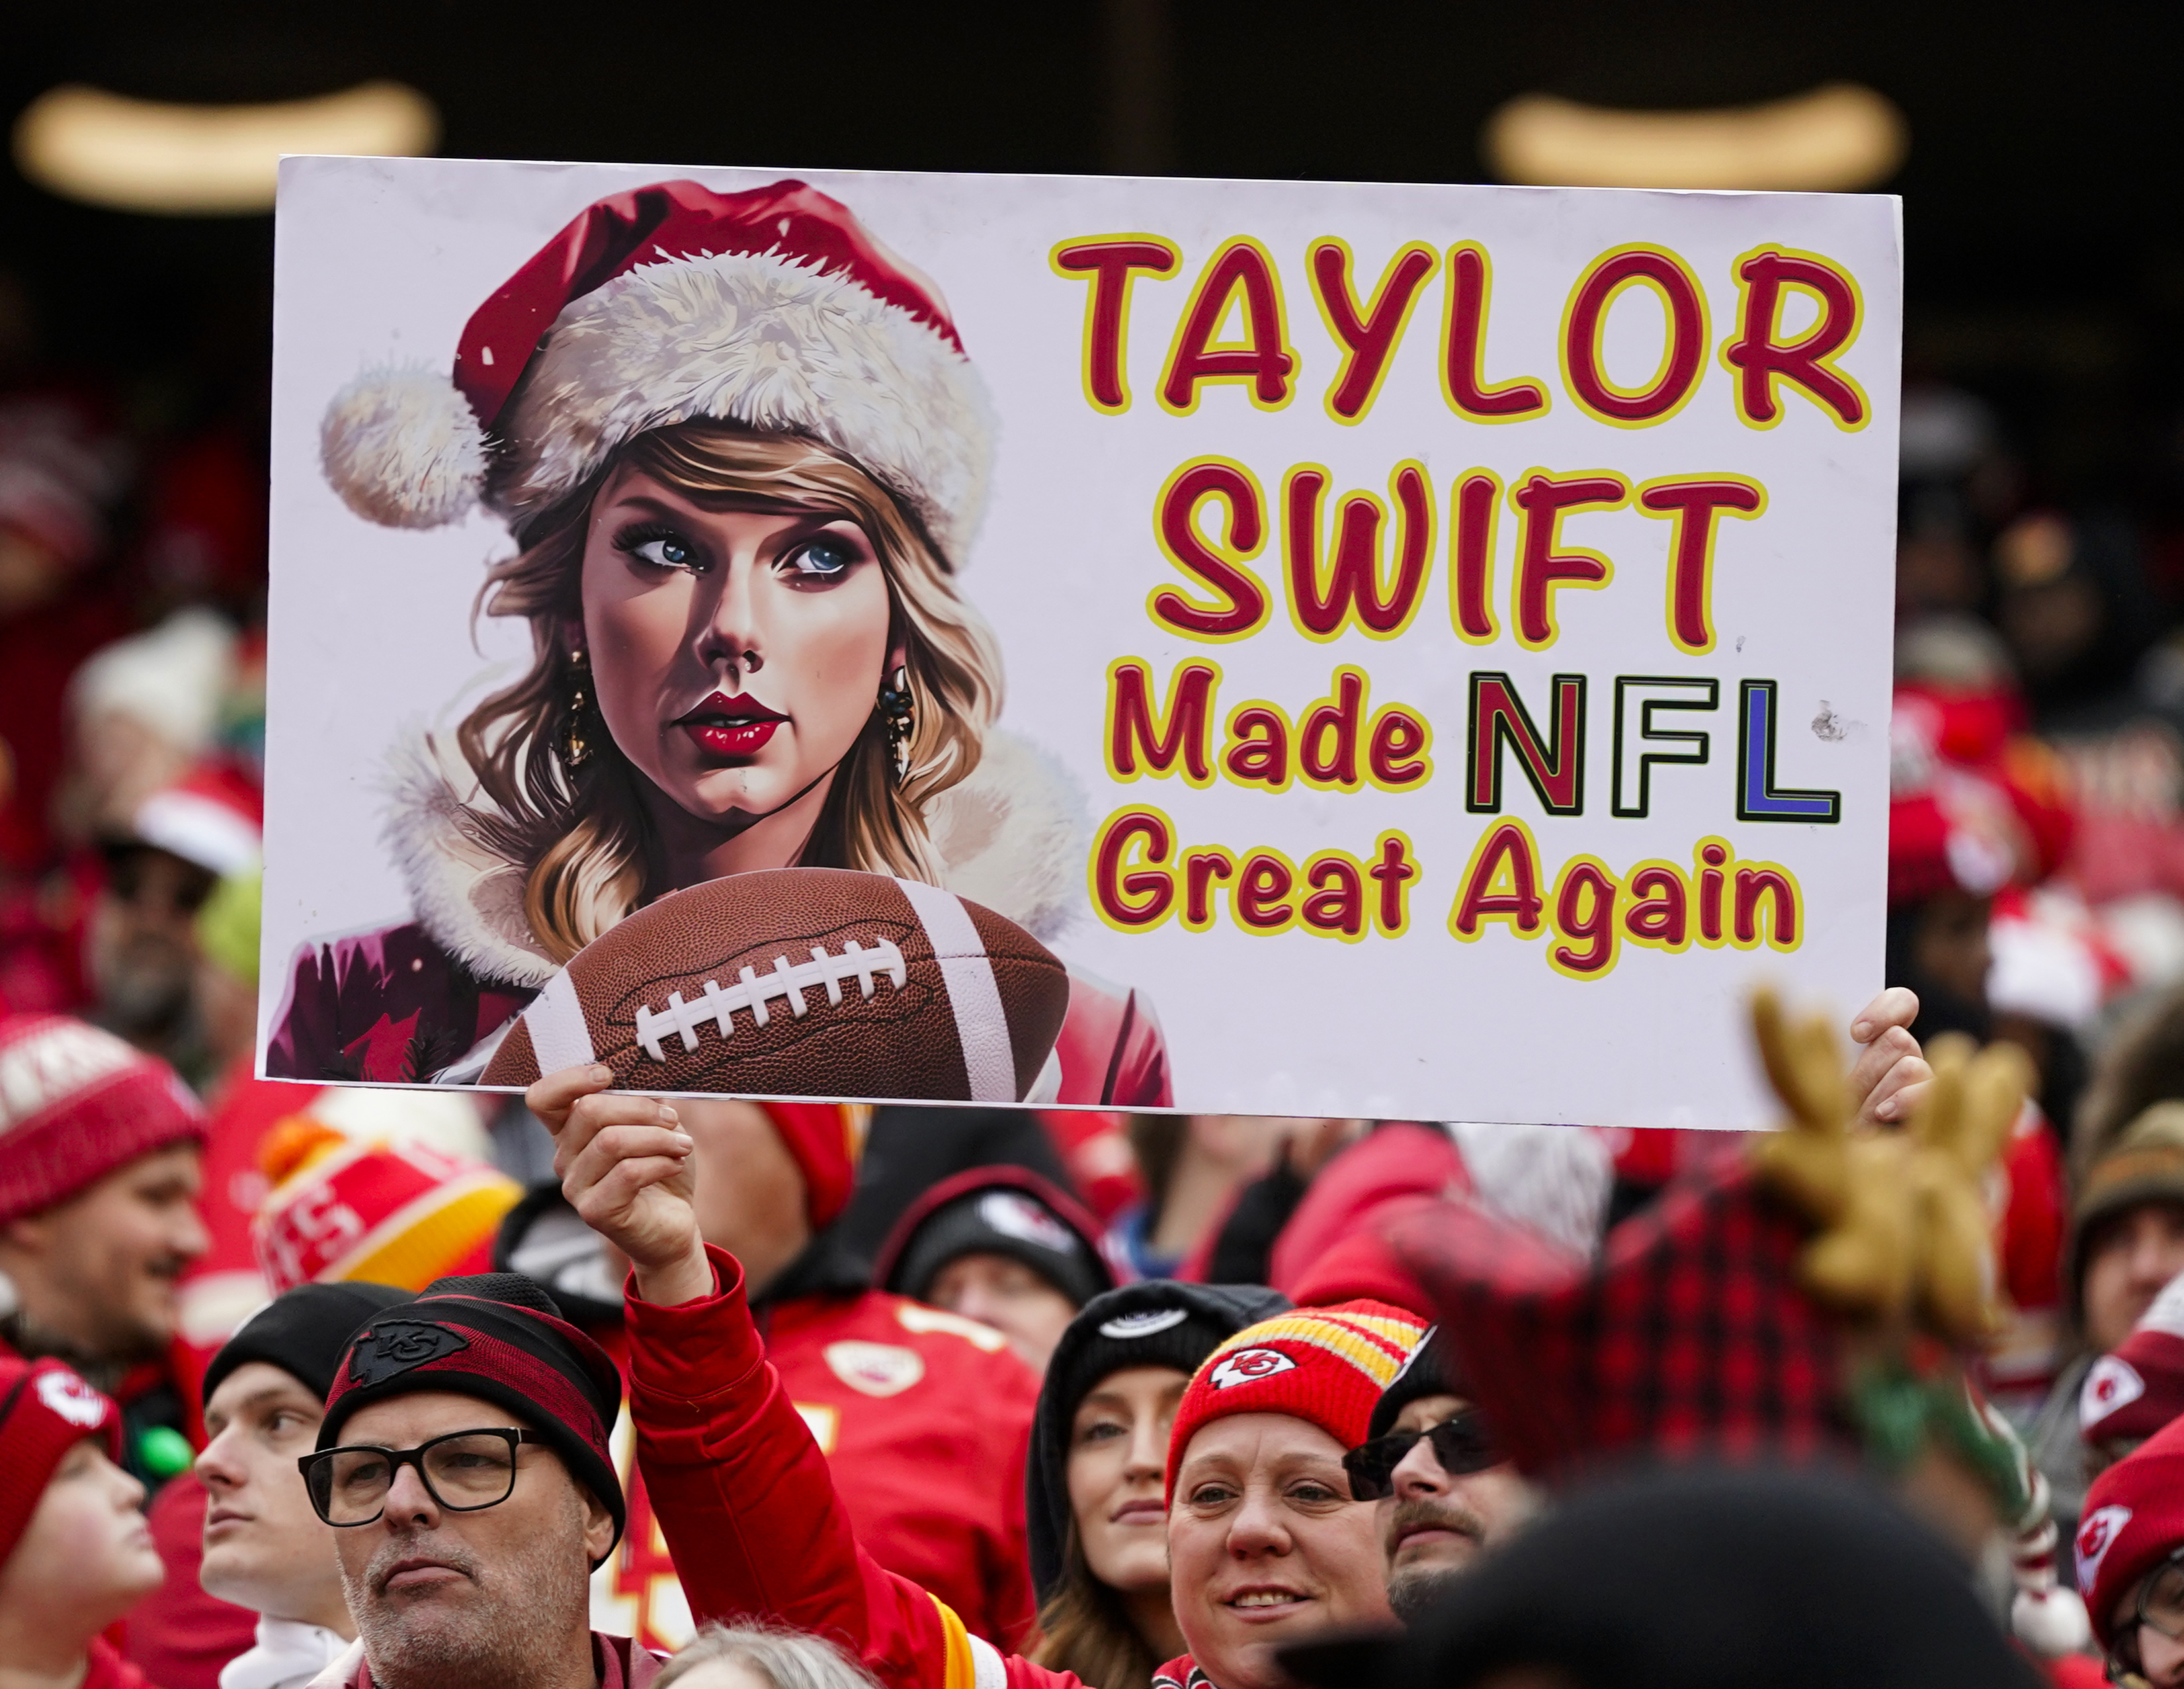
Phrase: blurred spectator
(762, 1657)
(2138, 1387)
(908, 1148)
(2072, 603)
(1445, 1491)
(1003, 1246)
(2143, 1064)
(1193, 1166)
(75, 1554)
(2131, 1562)
(100, 1150)
(2126, 1243)
(142, 712)
(1098, 1516)
(923, 1416)
(226, 932)
(1699, 1579)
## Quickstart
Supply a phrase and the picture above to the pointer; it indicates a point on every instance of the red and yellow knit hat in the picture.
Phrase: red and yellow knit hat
(385, 1213)
(1326, 1366)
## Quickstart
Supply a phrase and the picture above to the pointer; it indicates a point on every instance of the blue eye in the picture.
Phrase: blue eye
(823, 556)
(662, 550)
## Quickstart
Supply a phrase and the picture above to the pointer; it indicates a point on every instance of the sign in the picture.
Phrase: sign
(1415, 651)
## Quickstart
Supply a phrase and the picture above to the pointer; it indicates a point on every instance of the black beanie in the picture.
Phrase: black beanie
(1155, 1322)
(1428, 1372)
(496, 1336)
(1007, 1211)
(1701, 1578)
(304, 1332)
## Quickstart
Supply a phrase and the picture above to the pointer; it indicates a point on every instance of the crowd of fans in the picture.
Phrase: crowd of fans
(366, 1387)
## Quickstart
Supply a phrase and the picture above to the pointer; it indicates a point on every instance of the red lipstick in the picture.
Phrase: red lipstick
(737, 728)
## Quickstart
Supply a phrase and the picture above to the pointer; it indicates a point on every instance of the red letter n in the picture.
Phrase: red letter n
(1555, 768)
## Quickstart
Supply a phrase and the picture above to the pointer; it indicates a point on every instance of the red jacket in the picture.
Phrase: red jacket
(925, 1421)
(747, 1507)
(109, 1670)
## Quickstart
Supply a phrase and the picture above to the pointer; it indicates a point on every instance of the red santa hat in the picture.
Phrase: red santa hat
(215, 817)
(772, 309)
(76, 1103)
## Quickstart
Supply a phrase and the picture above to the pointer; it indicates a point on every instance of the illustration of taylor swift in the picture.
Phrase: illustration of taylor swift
(742, 454)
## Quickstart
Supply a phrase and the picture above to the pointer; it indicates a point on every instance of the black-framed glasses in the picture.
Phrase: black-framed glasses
(463, 1471)
(1461, 1443)
(2160, 1604)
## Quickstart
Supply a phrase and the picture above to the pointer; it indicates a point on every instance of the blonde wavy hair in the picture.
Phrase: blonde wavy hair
(583, 836)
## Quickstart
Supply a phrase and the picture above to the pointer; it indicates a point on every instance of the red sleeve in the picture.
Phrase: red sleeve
(744, 1498)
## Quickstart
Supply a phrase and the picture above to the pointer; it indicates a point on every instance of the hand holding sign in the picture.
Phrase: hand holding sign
(625, 1168)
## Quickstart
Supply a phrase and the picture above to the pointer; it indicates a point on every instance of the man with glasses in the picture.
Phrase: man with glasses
(463, 1463)
(2129, 1551)
(1445, 1491)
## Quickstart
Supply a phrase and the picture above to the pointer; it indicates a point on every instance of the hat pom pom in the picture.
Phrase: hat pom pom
(403, 449)
(2051, 1622)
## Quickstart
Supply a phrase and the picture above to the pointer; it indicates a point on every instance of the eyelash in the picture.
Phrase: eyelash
(632, 541)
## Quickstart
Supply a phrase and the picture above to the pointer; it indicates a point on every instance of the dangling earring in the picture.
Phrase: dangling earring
(576, 749)
(899, 713)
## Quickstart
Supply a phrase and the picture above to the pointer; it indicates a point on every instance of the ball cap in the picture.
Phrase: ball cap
(1327, 1366)
(494, 1335)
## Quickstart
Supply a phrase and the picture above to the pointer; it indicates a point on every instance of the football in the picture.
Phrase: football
(802, 982)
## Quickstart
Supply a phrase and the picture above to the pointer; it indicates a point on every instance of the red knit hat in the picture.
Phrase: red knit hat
(2133, 1518)
(825, 1139)
(381, 1213)
(45, 1411)
(2138, 1387)
(76, 1103)
(773, 309)
(1326, 1366)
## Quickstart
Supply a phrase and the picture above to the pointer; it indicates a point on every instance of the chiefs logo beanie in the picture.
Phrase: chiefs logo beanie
(45, 1411)
(76, 1103)
(1326, 1366)
(496, 1336)
(2133, 1519)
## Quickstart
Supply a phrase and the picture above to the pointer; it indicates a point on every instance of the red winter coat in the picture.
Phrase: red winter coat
(925, 1421)
(747, 1506)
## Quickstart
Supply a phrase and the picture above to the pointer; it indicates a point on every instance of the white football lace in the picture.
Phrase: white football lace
(790, 980)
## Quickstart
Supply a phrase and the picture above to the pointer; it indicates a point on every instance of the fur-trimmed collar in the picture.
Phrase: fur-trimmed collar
(1012, 836)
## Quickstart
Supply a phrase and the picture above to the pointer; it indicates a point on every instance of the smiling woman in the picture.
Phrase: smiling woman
(742, 456)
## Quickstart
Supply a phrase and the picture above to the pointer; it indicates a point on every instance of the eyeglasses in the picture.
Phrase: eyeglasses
(2160, 1604)
(1461, 1443)
(464, 1471)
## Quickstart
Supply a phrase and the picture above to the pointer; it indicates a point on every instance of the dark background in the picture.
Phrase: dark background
(2046, 261)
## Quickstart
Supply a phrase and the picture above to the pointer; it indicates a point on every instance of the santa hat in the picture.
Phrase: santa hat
(773, 309)
(45, 1411)
(76, 1103)
(2138, 1387)
(215, 817)
(384, 1213)
(1326, 1366)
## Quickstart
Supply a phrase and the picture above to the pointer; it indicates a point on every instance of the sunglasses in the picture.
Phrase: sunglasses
(1461, 1443)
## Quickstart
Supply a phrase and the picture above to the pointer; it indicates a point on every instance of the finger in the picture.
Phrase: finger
(1897, 1098)
(1897, 1006)
(606, 1202)
(554, 1095)
(1890, 1046)
(618, 1143)
(591, 1115)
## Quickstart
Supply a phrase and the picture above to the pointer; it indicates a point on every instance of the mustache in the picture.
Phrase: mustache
(1425, 1512)
(424, 1545)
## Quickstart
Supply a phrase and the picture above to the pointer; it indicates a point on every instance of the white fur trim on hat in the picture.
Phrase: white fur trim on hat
(759, 340)
(403, 449)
